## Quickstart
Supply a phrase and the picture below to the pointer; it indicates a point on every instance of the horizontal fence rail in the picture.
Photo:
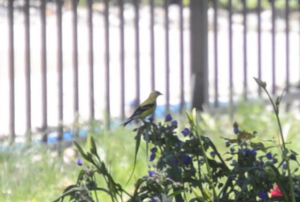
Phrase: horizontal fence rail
(67, 61)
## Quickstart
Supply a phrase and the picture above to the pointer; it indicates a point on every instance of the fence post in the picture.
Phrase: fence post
(11, 71)
(199, 69)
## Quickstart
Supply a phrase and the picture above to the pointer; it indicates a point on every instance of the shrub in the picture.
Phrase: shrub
(189, 167)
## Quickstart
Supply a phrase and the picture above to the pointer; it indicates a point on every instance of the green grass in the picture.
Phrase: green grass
(24, 179)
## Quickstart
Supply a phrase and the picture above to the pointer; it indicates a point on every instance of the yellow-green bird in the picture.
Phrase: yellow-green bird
(145, 109)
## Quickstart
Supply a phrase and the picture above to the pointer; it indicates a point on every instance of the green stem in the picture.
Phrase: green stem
(206, 164)
(283, 146)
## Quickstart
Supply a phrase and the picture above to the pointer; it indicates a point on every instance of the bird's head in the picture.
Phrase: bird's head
(154, 94)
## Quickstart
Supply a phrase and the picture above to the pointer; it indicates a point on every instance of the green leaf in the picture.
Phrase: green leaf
(70, 191)
(194, 114)
(93, 147)
(137, 146)
(260, 83)
(189, 116)
(80, 150)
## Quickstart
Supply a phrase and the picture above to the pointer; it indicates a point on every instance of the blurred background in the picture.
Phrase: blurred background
(71, 68)
(65, 61)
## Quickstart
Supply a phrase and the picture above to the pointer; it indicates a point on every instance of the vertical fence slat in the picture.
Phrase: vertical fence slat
(59, 68)
(166, 5)
(199, 46)
(287, 45)
(11, 71)
(215, 7)
(137, 50)
(299, 40)
(273, 47)
(27, 67)
(230, 58)
(43, 69)
(75, 58)
(152, 46)
(245, 47)
(122, 58)
(107, 73)
(181, 56)
(259, 42)
(91, 58)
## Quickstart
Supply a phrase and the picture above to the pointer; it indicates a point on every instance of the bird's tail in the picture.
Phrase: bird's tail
(126, 122)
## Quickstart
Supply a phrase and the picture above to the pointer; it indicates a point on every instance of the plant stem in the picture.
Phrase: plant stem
(206, 164)
(283, 146)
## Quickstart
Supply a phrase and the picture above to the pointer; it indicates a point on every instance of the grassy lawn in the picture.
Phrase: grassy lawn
(34, 174)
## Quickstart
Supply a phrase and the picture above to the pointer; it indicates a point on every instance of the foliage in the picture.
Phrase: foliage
(189, 167)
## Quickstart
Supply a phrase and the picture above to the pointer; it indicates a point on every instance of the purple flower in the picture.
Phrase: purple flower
(236, 128)
(269, 155)
(151, 173)
(175, 160)
(261, 164)
(185, 132)
(153, 150)
(186, 159)
(253, 152)
(79, 162)
(168, 118)
(248, 151)
(231, 149)
(152, 156)
(212, 154)
(174, 123)
(263, 196)
(284, 166)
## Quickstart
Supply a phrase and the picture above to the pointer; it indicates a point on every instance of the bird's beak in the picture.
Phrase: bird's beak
(159, 93)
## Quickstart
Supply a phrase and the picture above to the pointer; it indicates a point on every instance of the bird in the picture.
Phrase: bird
(146, 108)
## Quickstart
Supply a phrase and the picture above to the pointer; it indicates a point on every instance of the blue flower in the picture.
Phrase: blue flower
(79, 162)
(175, 160)
(152, 156)
(261, 164)
(263, 196)
(284, 166)
(253, 152)
(174, 123)
(236, 128)
(185, 132)
(151, 173)
(153, 150)
(186, 159)
(269, 155)
(168, 118)
(212, 154)
(248, 151)
(231, 149)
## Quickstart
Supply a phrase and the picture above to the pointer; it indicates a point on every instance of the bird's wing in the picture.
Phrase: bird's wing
(141, 109)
